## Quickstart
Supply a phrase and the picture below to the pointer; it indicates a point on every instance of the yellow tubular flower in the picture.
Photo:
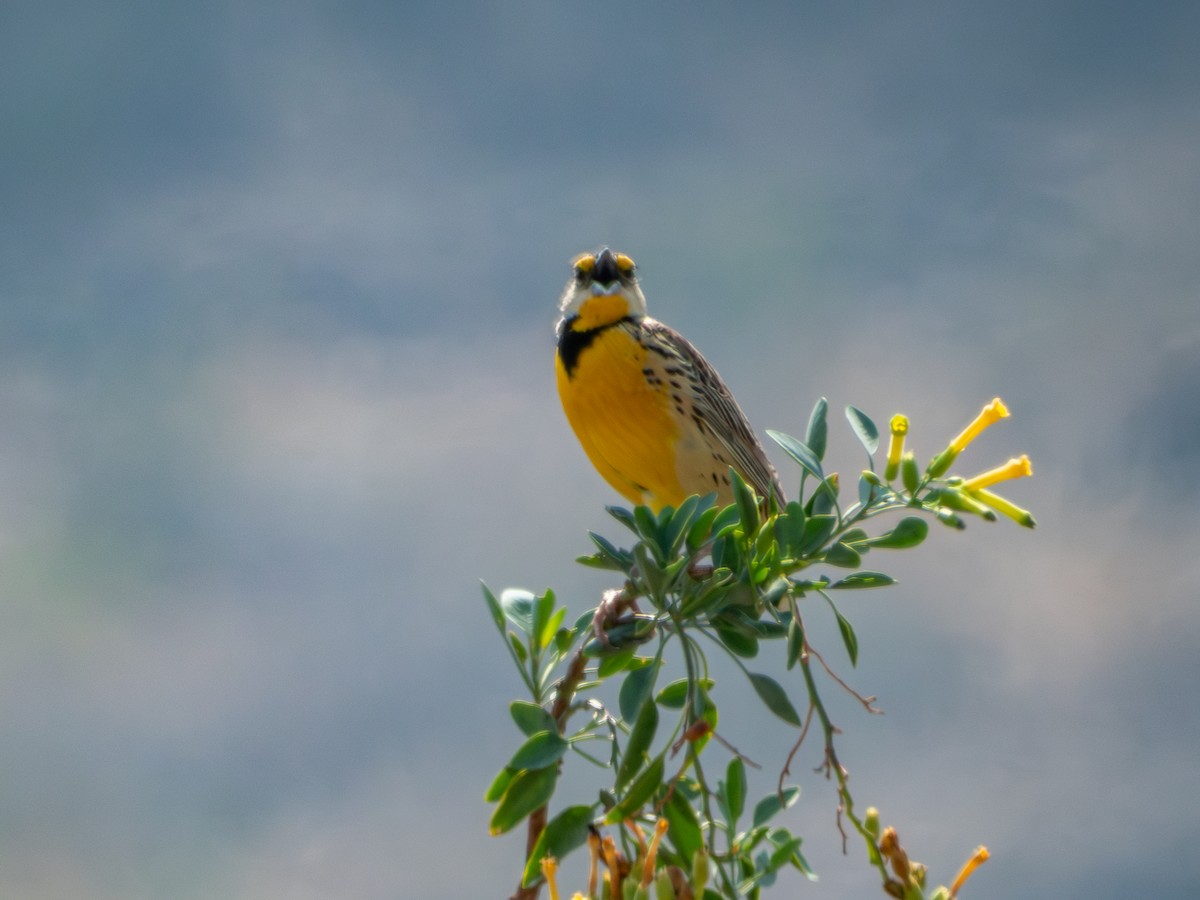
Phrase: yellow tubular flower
(990, 414)
(1005, 507)
(594, 866)
(648, 866)
(549, 871)
(1014, 468)
(993, 412)
(899, 428)
(614, 866)
(980, 857)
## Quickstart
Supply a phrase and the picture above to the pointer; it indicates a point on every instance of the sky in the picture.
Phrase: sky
(277, 293)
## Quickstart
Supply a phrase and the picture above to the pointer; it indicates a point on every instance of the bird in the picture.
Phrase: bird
(651, 413)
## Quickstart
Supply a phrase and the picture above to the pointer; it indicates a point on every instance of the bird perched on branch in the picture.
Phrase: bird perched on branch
(653, 416)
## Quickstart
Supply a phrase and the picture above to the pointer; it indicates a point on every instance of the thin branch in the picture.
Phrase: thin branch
(865, 701)
(735, 751)
(787, 765)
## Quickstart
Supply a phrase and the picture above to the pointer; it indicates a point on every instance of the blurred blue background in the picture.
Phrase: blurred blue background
(277, 288)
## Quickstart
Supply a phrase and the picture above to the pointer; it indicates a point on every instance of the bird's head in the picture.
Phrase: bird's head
(603, 289)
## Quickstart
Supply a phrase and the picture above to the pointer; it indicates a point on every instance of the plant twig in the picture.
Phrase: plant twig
(865, 701)
(560, 711)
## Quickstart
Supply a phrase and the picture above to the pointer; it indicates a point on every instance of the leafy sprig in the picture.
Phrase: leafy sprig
(694, 580)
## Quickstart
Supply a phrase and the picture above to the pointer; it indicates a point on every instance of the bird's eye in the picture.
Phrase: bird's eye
(625, 264)
(583, 266)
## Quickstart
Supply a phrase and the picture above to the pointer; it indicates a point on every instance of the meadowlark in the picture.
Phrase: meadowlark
(653, 416)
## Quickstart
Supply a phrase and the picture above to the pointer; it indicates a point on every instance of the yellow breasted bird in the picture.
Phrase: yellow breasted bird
(653, 416)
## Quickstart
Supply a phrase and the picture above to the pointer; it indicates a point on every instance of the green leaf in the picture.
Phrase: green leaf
(771, 804)
(868, 490)
(854, 537)
(650, 571)
(614, 556)
(801, 863)
(518, 647)
(775, 697)
(800, 452)
(542, 749)
(817, 530)
(618, 659)
(747, 503)
(789, 528)
(783, 853)
(564, 639)
(550, 628)
(674, 695)
(774, 591)
(709, 594)
(824, 496)
(849, 638)
(640, 739)
(681, 521)
(740, 644)
(493, 607)
(531, 718)
(518, 606)
(726, 551)
(683, 826)
(528, 790)
(841, 555)
(639, 792)
(764, 628)
(864, 429)
(499, 785)
(565, 832)
(636, 689)
(624, 516)
(543, 606)
(735, 788)
(647, 527)
(626, 634)
(909, 532)
(864, 580)
(817, 434)
(795, 642)
(598, 561)
(702, 527)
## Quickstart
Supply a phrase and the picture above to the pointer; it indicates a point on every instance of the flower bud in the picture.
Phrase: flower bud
(951, 518)
(700, 871)
(1005, 508)
(940, 464)
(663, 889)
(956, 499)
(908, 472)
(917, 871)
(871, 822)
